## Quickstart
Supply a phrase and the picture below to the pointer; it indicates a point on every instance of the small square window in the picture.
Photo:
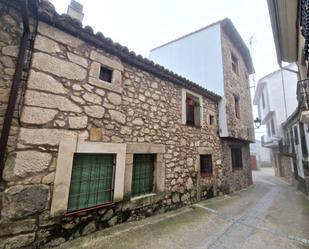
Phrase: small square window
(106, 74)
(206, 165)
(234, 63)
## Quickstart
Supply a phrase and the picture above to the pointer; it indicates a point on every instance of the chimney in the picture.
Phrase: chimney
(75, 10)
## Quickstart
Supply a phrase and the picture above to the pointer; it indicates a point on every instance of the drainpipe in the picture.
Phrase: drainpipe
(15, 86)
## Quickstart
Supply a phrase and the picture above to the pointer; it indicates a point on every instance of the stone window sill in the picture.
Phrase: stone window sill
(105, 85)
(142, 196)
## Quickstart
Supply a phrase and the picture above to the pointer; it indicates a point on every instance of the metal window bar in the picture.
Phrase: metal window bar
(143, 174)
(92, 180)
(206, 164)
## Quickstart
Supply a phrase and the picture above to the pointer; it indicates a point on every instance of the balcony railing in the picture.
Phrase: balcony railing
(303, 93)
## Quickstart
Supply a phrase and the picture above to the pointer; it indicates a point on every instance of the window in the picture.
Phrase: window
(193, 109)
(206, 165)
(234, 63)
(106, 74)
(143, 174)
(296, 135)
(272, 125)
(236, 105)
(303, 140)
(263, 101)
(236, 158)
(211, 119)
(91, 180)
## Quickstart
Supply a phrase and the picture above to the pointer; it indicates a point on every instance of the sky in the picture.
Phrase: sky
(142, 25)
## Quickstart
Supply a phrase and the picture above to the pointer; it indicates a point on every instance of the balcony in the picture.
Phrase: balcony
(303, 99)
(269, 141)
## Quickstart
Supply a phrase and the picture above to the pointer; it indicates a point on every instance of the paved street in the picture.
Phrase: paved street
(270, 214)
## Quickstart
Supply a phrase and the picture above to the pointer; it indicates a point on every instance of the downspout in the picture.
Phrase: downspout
(15, 86)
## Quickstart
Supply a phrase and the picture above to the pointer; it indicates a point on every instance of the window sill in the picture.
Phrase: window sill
(105, 85)
(237, 169)
(142, 196)
(84, 210)
(206, 175)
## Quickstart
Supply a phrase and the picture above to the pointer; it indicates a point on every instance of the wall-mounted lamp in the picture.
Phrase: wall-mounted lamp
(257, 123)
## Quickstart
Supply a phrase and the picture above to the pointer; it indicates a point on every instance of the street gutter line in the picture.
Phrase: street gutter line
(236, 220)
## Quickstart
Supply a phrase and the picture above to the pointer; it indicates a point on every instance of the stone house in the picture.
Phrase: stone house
(93, 134)
(217, 58)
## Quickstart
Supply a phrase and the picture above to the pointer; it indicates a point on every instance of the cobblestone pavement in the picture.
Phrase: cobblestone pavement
(269, 215)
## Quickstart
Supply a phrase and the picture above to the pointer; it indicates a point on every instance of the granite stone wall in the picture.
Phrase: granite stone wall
(10, 35)
(240, 129)
(64, 99)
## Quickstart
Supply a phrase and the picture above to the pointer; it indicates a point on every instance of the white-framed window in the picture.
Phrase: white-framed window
(74, 158)
(145, 172)
(192, 108)
(105, 72)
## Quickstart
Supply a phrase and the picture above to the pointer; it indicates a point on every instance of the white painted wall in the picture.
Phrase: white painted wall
(197, 57)
(274, 90)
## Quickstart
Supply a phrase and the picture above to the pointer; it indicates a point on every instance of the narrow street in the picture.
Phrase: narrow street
(270, 214)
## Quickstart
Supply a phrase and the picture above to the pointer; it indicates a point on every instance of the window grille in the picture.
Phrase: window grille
(206, 165)
(92, 180)
(143, 174)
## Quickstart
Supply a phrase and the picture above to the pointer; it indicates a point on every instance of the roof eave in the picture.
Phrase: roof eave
(283, 17)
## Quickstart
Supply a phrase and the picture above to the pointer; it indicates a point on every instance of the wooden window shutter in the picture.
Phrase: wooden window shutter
(197, 116)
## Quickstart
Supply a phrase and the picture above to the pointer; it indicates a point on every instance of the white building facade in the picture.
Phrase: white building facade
(275, 98)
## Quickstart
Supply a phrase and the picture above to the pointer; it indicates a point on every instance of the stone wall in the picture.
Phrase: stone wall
(240, 130)
(236, 84)
(64, 100)
(238, 178)
(10, 35)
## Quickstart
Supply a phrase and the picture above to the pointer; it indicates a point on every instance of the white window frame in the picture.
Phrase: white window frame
(99, 60)
(67, 148)
(184, 93)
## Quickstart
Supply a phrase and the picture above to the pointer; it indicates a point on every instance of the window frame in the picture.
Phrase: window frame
(67, 147)
(296, 138)
(206, 172)
(77, 210)
(159, 168)
(99, 60)
(234, 63)
(237, 106)
(198, 110)
(237, 149)
(153, 161)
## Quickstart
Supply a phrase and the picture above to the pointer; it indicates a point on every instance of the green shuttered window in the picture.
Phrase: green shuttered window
(143, 168)
(91, 181)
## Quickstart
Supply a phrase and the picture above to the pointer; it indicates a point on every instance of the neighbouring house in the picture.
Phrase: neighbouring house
(262, 155)
(217, 58)
(276, 101)
(291, 43)
(93, 135)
